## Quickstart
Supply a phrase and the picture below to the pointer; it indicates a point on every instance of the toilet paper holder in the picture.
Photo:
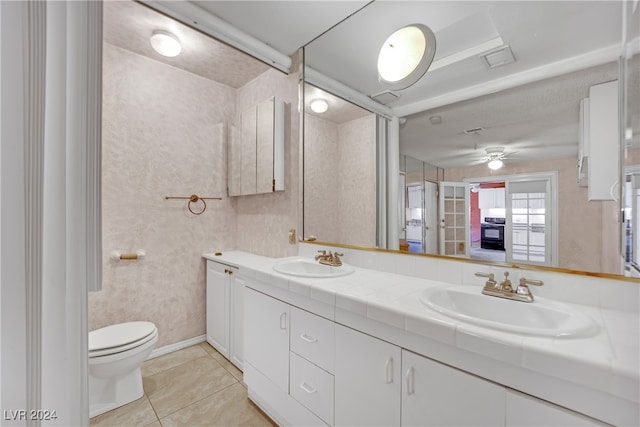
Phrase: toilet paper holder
(118, 256)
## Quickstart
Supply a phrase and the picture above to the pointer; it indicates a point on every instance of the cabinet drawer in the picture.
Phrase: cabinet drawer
(312, 387)
(312, 337)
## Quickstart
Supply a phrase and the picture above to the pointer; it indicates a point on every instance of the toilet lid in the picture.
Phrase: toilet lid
(121, 335)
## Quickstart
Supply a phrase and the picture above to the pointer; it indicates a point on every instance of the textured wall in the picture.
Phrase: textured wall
(320, 179)
(264, 220)
(162, 136)
(357, 183)
(340, 180)
(582, 244)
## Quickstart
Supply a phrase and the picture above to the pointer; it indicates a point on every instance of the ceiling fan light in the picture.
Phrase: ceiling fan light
(405, 56)
(319, 105)
(495, 164)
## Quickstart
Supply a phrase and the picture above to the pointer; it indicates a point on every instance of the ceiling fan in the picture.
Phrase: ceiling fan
(495, 157)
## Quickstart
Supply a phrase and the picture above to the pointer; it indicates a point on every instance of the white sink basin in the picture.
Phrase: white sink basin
(541, 317)
(305, 267)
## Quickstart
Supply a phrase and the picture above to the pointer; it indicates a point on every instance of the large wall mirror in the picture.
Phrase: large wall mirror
(528, 84)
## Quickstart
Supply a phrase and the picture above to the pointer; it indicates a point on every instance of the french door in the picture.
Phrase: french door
(529, 214)
(454, 218)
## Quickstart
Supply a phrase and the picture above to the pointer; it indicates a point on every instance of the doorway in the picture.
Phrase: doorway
(487, 220)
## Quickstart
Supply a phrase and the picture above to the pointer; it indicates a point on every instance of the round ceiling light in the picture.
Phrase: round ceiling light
(165, 43)
(405, 56)
(319, 105)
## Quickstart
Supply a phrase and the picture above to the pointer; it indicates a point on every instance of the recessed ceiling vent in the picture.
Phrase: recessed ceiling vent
(474, 130)
(498, 57)
(385, 97)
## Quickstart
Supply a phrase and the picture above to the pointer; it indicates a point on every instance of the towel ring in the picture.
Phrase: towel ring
(196, 199)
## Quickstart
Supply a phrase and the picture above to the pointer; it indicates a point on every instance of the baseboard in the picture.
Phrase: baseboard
(176, 346)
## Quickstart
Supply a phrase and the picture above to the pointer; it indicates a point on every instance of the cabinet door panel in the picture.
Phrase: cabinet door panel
(236, 353)
(248, 148)
(218, 307)
(434, 394)
(234, 161)
(524, 410)
(264, 146)
(266, 345)
(367, 380)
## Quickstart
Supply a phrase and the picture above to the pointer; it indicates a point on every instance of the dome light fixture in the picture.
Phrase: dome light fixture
(319, 105)
(405, 56)
(165, 43)
(495, 164)
(495, 155)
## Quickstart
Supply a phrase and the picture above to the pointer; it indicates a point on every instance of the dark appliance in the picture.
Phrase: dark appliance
(492, 233)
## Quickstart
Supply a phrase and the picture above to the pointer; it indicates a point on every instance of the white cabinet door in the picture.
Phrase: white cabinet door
(604, 157)
(486, 198)
(500, 197)
(236, 327)
(434, 394)
(524, 410)
(367, 380)
(218, 307)
(266, 345)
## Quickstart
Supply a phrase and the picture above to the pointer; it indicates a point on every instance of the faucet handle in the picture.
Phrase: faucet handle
(524, 282)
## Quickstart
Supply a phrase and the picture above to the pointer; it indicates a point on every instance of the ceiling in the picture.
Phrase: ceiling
(129, 25)
(549, 39)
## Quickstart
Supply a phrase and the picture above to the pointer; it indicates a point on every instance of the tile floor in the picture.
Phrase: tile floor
(195, 386)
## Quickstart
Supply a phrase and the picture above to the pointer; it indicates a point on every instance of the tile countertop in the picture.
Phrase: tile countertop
(608, 362)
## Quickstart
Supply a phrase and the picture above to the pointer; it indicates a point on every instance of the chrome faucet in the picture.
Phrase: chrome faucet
(505, 289)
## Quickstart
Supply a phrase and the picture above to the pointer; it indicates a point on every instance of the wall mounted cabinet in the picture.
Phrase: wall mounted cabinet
(256, 150)
(491, 198)
(598, 152)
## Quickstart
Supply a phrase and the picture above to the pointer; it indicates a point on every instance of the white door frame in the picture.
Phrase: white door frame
(552, 176)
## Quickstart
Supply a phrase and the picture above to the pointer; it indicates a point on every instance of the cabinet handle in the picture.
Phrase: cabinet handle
(308, 338)
(306, 387)
(410, 385)
(283, 320)
(389, 366)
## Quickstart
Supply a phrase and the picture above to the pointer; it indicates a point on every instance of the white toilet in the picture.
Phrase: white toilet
(116, 353)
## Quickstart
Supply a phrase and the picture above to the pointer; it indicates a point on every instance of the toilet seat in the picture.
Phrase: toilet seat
(119, 338)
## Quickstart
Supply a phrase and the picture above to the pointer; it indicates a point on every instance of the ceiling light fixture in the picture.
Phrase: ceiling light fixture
(319, 105)
(495, 164)
(165, 43)
(405, 56)
(495, 155)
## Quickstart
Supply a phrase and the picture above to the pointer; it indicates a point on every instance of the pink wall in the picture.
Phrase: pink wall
(163, 135)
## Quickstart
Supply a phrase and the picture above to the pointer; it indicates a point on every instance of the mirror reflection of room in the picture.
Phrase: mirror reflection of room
(466, 114)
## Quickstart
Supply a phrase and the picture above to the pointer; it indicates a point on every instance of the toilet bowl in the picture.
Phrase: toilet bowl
(116, 353)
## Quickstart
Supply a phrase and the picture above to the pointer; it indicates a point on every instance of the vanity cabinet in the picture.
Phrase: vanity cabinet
(304, 369)
(524, 410)
(267, 337)
(367, 382)
(256, 150)
(434, 394)
(225, 311)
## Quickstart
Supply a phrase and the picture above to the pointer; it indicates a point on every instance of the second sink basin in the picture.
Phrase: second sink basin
(541, 317)
(305, 267)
